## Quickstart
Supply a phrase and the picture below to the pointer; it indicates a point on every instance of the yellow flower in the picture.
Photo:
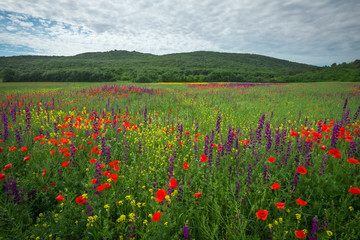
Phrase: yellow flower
(121, 218)
(276, 222)
(270, 226)
(329, 233)
(84, 195)
(128, 197)
(298, 216)
(150, 216)
(41, 214)
(145, 222)
(133, 203)
(351, 208)
(288, 210)
(166, 223)
(106, 206)
(139, 204)
(120, 203)
(281, 220)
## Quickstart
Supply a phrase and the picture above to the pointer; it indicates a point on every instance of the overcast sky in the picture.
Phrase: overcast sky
(318, 32)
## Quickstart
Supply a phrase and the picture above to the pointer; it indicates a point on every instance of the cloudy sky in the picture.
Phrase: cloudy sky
(318, 32)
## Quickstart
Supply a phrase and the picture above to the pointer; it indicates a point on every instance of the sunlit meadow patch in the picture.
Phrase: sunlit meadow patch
(202, 161)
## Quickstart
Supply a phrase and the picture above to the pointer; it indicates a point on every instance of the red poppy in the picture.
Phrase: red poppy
(185, 166)
(300, 234)
(80, 200)
(187, 133)
(160, 195)
(64, 150)
(173, 183)
(271, 159)
(301, 170)
(334, 152)
(2, 176)
(8, 166)
(352, 160)
(67, 154)
(280, 205)
(275, 186)
(24, 149)
(26, 158)
(92, 160)
(294, 134)
(301, 202)
(44, 172)
(60, 198)
(197, 195)
(52, 152)
(354, 190)
(94, 181)
(337, 156)
(323, 147)
(65, 164)
(262, 214)
(203, 158)
(1, 149)
(116, 168)
(114, 177)
(156, 216)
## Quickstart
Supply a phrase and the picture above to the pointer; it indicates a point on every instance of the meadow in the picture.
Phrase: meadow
(179, 161)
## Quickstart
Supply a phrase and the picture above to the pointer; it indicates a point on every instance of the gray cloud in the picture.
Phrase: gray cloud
(315, 32)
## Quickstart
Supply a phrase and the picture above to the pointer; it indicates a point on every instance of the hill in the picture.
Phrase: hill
(144, 67)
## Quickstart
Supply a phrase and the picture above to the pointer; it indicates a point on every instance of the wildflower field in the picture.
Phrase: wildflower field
(180, 161)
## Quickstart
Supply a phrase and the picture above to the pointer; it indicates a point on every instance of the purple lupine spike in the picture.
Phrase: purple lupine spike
(5, 134)
(356, 115)
(345, 104)
(315, 228)
(295, 182)
(323, 164)
(186, 231)
(268, 136)
(218, 123)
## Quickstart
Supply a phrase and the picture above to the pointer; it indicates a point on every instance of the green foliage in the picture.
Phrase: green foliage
(140, 67)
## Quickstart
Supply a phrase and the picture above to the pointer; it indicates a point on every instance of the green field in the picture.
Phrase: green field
(179, 161)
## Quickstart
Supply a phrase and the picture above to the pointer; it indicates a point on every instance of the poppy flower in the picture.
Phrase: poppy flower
(65, 164)
(67, 154)
(2, 176)
(197, 195)
(156, 216)
(24, 149)
(301, 170)
(280, 205)
(203, 158)
(301, 202)
(1, 149)
(8, 166)
(160, 195)
(92, 160)
(262, 214)
(26, 158)
(44, 172)
(60, 198)
(185, 166)
(114, 177)
(94, 181)
(352, 160)
(354, 190)
(64, 150)
(323, 147)
(300, 234)
(271, 159)
(275, 186)
(80, 200)
(52, 152)
(173, 183)
(116, 168)
(334, 152)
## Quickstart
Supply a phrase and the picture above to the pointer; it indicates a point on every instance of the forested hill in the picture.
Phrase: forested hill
(114, 65)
